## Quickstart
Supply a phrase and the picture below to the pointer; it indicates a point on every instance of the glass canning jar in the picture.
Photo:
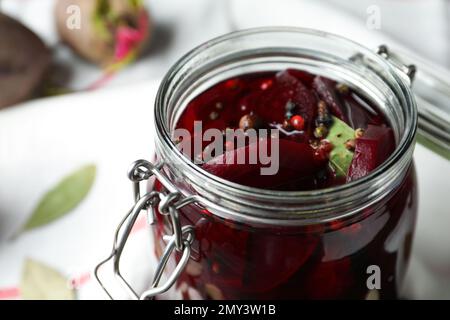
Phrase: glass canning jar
(234, 242)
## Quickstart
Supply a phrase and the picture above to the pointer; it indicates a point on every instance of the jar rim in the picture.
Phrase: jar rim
(403, 149)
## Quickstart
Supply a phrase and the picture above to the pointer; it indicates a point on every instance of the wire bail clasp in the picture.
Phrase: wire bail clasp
(408, 70)
(168, 202)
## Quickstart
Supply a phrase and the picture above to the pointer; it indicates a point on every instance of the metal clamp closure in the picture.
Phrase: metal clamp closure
(168, 202)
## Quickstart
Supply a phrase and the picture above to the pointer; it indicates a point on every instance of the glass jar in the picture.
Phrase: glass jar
(347, 242)
(260, 244)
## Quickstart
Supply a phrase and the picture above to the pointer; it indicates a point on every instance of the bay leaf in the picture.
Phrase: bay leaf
(41, 282)
(340, 156)
(63, 198)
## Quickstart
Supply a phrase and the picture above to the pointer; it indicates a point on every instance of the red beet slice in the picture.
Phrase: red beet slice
(326, 89)
(216, 100)
(371, 150)
(224, 264)
(330, 280)
(273, 258)
(297, 167)
(305, 77)
(270, 103)
(358, 116)
(300, 95)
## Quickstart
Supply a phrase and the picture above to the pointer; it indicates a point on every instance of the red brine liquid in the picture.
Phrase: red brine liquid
(325, 261)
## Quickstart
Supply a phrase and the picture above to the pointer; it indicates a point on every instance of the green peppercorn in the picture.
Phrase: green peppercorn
(321, 131)
(359, 133)
(342, 88)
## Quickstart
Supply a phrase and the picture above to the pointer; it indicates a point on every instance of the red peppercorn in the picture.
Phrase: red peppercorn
(297, 122)
(232, 84)
(266, 84)
(326, 145)
(323, 150)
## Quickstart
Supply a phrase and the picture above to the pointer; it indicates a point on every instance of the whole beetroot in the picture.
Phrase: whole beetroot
(109, 29)
(24, 61)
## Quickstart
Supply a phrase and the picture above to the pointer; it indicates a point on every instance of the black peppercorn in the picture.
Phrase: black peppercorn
(250, 121)
(323, 115)
(289, 107)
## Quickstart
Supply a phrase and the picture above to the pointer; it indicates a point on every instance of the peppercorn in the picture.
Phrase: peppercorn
(350, 144)
(266, 84)
(359, 133)
(314, 143)
(232, 84)
(178, 140)
(250, 121)
(243, 107)
(326, 145)
(214, 115)
(321, 131)
(323, 115)
(322, 150)
(322, 106)
(342, 88)
(326, 121)
(287, 125)
(290, 106)
(297, 122)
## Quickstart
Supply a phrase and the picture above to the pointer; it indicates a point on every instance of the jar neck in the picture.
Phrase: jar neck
(274, 49)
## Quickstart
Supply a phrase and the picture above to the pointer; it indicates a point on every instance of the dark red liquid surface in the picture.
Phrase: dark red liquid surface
(325, 261)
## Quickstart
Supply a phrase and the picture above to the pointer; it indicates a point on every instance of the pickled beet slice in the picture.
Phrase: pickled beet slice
(329, 280)
(303, 76)
(270, 103)
(371, 150)
(275, 255)
(300, 95)
(228, 247)
(297, 166)
(326, 89)
(216, 100)
(358, 116)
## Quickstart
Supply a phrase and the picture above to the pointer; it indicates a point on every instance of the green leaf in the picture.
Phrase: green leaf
(340, 156)
(40, 282)
(63, 198)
